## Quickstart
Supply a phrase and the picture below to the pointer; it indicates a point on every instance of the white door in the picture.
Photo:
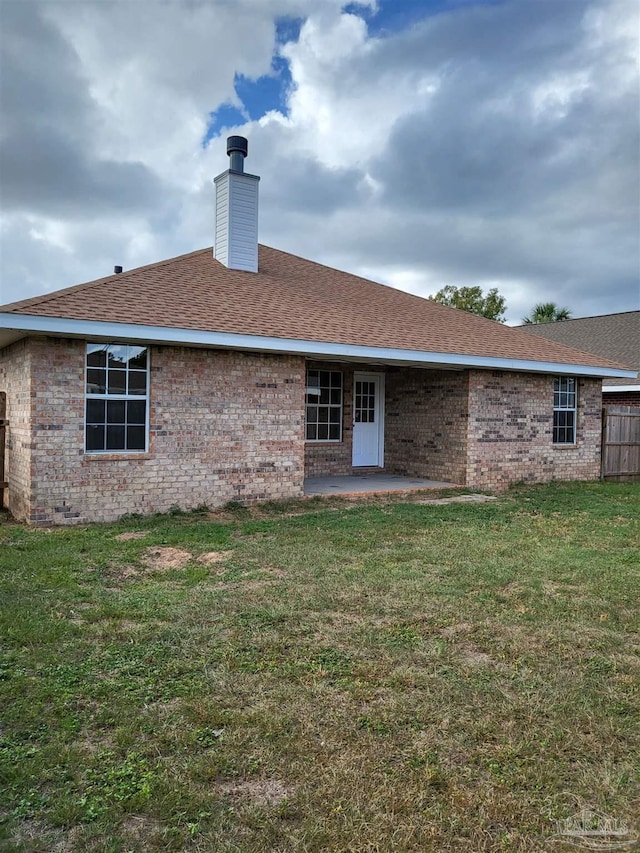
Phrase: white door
(368, 420)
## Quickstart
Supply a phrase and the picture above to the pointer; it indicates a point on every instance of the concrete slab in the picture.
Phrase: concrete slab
(355, 484)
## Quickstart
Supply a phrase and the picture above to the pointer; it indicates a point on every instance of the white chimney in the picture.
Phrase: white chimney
(236, 234)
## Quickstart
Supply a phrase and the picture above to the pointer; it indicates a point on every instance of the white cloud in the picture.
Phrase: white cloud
(492, 144)
(347, 99)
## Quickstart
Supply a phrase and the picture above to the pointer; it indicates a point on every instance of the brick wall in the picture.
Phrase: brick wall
(230, 426)
(15, 381)
(426, 423)
(623, 398)
(223, 426)
(325, 459)
(510, 431)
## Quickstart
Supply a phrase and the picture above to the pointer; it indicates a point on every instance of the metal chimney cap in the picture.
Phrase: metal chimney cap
(237, 143)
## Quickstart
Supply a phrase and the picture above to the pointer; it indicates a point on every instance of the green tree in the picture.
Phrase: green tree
(546, 312)
(472, 299)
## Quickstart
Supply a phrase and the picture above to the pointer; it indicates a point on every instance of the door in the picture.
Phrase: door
(368, 420)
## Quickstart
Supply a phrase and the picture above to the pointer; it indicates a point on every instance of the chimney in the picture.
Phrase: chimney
(236, 231)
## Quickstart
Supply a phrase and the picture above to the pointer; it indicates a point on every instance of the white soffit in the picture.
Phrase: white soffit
(11, 323)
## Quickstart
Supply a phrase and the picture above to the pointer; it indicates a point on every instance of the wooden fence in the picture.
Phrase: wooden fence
(3, 424)
(621, 441)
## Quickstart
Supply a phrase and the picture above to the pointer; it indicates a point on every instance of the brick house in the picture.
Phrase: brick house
(614, 336)
(233, 374)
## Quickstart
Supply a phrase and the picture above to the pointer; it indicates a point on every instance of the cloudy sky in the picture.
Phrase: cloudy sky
(416, 142)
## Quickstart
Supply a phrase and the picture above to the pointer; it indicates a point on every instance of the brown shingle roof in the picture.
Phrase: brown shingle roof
(614, 336)
(291, 297)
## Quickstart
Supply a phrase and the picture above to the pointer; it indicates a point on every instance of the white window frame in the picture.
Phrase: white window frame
(311, 392)
(115, 397)
(565, 399)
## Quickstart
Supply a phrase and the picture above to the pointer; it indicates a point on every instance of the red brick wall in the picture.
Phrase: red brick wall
(230, 426)
(510, 431)
(223, 426)
(624, 398)
(426, 423)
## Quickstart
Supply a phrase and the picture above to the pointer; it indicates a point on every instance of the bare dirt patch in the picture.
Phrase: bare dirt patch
(30, 832)
(556, 589)
(511, 590)
(123, 573)
(274, 571)
(171, 708)
(158, 558)
(340, 620)
(212, 558)
(162, 558)
(453, 630)
(93, 742)
(134, 534)
(253, 583)
(128, 625)
(474, 658)
(75, 616)
(457, 499)
(27, 830)
(262, 792)
(248, 584)
(141, 828)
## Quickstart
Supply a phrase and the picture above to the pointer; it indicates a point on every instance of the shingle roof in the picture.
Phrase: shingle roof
(614, 336)
(291, 297)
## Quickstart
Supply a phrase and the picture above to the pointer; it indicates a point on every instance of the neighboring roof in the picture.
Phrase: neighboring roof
(614, 336)
(289, 300)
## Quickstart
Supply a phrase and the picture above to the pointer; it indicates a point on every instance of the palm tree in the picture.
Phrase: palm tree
(546, 312)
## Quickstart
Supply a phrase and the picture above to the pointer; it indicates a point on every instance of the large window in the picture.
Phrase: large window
(117, 385)
(564, 410)
(324, 405)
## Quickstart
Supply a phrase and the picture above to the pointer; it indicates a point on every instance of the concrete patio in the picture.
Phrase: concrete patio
(369, 483)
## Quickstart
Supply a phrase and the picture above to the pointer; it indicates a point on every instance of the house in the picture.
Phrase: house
(234, 374)
(614, 336)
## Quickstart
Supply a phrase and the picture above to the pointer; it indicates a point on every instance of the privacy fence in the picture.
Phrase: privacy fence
(621, 441)
(3, 425)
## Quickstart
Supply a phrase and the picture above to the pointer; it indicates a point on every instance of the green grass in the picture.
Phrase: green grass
(390, 676)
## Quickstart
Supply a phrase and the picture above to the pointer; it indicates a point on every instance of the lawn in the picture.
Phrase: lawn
(323, 676)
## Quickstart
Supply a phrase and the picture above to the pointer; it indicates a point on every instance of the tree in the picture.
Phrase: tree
(546, 312)
(472, 299)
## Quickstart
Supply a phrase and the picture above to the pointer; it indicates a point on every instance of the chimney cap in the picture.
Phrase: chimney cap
(237, 143)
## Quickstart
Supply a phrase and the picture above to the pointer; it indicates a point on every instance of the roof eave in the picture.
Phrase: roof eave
(15, 326)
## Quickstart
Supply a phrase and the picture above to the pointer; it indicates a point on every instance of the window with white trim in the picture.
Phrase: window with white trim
(116, 398)
(324, 405)
(564, 410)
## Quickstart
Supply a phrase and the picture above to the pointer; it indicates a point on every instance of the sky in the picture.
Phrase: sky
(419, 143)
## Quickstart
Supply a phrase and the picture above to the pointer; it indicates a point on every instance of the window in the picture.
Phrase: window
(564, 410)
(116, 398)
(324, 405)
(364, 408)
